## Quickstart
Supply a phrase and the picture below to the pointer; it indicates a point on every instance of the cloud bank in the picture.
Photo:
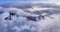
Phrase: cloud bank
(18, 19)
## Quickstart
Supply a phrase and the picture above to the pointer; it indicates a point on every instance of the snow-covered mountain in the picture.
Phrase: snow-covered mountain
(25, 17)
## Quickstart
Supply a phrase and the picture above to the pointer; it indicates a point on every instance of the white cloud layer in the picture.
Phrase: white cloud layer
(20, 22)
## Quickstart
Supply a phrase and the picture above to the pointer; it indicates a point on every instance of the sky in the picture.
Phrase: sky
(11, 1)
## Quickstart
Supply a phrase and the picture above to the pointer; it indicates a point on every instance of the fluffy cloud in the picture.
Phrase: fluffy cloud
(19, 22)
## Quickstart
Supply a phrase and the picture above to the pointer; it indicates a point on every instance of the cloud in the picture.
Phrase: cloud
(54, 1)
(20, 23)
(46, 1)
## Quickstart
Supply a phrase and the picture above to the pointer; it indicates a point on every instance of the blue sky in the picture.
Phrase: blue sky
(10, 1)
